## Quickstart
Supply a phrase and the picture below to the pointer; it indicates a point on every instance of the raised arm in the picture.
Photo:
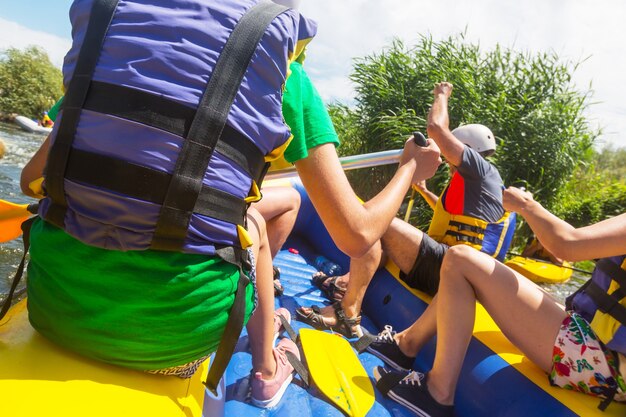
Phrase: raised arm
(599, 240)
(438, 126)
(430, 197)
(355, 226)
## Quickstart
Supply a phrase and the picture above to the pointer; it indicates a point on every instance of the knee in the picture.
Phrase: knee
(257, 223)
(457, 257)
(294, 200)
(374, 253)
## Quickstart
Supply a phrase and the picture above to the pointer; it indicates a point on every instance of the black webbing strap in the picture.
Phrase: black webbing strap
(364, 341)
(465, 238)
(20, 269)
(148, 184)
(290, 331)
(389, 381)
(610, 396)
(208, 124)
(297, 364)
(610, 303)
(100, 19)
(613, 270)
(171, 116)
(231, 335)
(466, 227)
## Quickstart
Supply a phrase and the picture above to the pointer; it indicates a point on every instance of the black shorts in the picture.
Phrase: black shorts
(424, 275)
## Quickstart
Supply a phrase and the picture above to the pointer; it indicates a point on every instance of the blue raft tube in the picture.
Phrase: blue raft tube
(40, 378)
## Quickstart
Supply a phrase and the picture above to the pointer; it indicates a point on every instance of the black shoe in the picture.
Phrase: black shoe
(386, 349)
(409, 389)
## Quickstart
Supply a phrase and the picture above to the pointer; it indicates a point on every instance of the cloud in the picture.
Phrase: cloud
(13, 35)
(574, 30)
(350, 29)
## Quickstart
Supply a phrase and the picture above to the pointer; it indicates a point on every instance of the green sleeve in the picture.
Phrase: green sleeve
(306, 115)
(54, 110)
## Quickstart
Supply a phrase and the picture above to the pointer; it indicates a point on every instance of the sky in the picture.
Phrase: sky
(586, 31)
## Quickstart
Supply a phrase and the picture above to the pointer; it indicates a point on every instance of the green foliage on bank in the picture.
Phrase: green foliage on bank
(528, 100)
(29, 83)
(596, 191)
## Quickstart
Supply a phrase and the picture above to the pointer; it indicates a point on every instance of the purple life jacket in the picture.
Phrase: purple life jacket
(169, 122)
(602, 302)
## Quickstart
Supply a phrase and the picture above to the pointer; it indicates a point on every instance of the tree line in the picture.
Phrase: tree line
(29, 83)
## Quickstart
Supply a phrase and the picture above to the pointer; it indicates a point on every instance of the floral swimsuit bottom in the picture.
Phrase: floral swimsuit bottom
(582, 363)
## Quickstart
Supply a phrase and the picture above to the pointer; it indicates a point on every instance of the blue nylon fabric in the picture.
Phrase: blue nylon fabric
(170, 50)
(584, 305)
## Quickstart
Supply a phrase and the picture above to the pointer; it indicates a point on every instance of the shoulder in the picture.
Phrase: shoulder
(475, 166)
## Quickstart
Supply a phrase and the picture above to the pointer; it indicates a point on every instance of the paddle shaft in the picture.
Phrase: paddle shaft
(542, 260)
(419, 140)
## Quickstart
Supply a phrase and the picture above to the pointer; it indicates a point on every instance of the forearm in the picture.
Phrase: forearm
(438, 118)
(551, 231)
(383, 208)
(353, 226)
(606, 238)
(438, 129)
(430, 197)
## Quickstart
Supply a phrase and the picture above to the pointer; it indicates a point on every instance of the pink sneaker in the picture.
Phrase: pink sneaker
(278, 325)
(267, 393)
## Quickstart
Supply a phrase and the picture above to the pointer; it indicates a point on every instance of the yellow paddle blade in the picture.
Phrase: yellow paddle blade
(11, 218)
(337, 372)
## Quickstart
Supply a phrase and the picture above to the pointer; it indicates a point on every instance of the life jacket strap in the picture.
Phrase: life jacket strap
(207, 129)
(465, 238)
(26, 225)
(208, 125)
(148, 184)
(613, 270)
(170, 116)
(462, 227)
(234, 324)
(100, 18)
(610, 303)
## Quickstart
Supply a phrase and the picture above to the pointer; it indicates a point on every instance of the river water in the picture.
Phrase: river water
(20, 146)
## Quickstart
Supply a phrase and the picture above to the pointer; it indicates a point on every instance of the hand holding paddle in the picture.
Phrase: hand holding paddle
(420, 141)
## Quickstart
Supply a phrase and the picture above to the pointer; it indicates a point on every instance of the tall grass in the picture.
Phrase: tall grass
(528, 100)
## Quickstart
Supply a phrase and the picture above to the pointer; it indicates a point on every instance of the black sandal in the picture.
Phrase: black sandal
(278, 288)
(344, 324)
(328, 286)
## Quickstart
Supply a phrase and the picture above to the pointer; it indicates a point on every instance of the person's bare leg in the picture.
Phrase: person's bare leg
(279, 207)
(260, 326)
(527, 315)
(362, 271)
(401, 243)
(412, 339)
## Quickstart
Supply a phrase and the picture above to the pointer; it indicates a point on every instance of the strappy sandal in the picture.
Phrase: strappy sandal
(344, 324)
(328, 286)
(278, 288)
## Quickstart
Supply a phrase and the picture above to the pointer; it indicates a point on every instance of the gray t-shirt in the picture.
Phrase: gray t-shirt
(480, 187)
